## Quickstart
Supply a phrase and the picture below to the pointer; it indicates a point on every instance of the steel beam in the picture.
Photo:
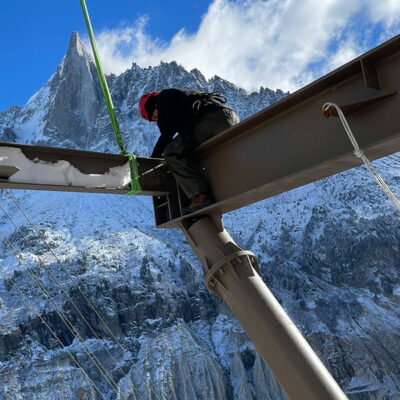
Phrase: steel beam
(154, 176)
(290, 143)
(232, 274)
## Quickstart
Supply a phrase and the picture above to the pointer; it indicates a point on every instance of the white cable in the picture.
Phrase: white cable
(103, 371)
(149, 387)
(45, 323)
(360, 154)
(134, 390)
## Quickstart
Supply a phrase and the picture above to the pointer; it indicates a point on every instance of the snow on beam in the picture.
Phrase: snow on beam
(46, 168)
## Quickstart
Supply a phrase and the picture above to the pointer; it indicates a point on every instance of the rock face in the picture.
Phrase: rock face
(170, 358)
(65, 110)
(116, 309)
(77, 98)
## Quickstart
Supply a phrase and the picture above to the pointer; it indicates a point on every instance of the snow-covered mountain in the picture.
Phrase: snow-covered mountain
(329, 251)
(69, 110)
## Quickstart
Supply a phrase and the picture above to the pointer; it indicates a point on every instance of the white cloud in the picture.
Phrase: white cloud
(386, 11)
(272, 43)
(346, 51)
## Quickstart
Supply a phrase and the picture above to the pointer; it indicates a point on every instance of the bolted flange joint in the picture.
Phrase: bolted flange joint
(213, 277)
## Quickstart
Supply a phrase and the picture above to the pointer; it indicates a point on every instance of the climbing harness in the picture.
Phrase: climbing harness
(327, 112)
(135, 184)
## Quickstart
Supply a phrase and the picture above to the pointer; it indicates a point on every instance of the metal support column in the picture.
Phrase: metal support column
(232, 273)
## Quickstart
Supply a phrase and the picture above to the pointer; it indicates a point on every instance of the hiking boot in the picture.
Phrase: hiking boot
(198, 202)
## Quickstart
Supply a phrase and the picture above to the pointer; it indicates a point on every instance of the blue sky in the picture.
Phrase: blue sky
(272, 43)
(35, 34)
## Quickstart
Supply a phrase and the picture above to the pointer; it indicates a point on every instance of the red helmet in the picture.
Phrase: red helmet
(142, 105)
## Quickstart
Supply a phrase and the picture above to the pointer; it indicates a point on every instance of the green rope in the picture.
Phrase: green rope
(135, 184)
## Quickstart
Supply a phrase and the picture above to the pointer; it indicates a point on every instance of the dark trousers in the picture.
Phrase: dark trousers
(175, 153)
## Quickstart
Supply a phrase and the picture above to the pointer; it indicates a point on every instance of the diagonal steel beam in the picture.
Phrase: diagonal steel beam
(290, 143)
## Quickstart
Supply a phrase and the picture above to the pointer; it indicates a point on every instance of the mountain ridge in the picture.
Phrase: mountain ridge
(74, 115)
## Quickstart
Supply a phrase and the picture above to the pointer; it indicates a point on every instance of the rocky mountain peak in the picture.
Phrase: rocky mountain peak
(77, 49)
(71, 111)
(76, 55)
(77, 96)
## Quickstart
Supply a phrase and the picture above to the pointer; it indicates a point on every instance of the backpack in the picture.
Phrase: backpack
(208, 102)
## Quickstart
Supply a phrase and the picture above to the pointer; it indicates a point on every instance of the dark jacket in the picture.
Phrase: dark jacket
(176, 114)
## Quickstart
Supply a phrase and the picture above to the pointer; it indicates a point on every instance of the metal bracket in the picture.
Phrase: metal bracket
(371, 94)
(226, 262)
(369, 74)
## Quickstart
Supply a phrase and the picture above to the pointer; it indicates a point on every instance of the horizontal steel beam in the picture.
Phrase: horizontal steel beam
(290, 143)
(287, 145)
(48, 168)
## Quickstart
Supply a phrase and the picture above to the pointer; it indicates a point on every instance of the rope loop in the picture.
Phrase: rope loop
(358, 153)
(135, 184)
(327, 111)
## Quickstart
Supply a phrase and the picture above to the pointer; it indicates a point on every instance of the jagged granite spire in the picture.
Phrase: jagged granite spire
(64, 111)
(76, 96)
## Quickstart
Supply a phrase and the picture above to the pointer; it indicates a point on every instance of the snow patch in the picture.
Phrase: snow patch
(61, 173)
(396, 290)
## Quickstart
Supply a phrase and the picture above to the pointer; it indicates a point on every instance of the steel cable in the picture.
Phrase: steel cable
(45, 323)
(63, 290)
(360, 154)
(68, 323)
(83, 295)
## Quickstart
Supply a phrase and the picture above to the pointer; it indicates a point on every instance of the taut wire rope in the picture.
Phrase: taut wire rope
(69, 298)
(67, 322)
(44, 321)
(84, 296)
(360, 154)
